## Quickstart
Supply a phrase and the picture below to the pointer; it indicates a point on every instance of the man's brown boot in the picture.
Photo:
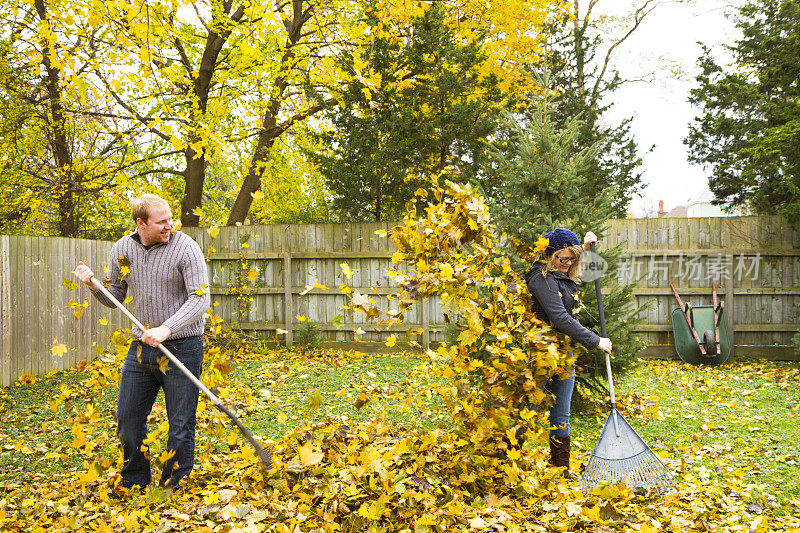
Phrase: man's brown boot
(559, 451)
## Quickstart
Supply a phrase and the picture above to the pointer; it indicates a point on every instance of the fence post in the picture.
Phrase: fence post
(5, 313)
(426, 326)
(727, 244)
(287, 296)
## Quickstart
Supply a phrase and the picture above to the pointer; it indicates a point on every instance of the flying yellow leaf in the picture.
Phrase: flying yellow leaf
(361, 400)
(213, 231)
(301, 318)
(58, 349)
(315, 400)
(391, 340)
(541, 245)
(253, 274)
(346, 270)
(103, 321)
(165, 456)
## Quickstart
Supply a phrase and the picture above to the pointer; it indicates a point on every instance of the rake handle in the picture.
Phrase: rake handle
(602, 317)
(263, 455)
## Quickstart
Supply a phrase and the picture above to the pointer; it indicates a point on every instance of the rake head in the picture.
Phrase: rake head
(621, 456)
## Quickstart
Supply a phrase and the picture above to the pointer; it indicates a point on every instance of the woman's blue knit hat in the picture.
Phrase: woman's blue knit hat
(559, 238)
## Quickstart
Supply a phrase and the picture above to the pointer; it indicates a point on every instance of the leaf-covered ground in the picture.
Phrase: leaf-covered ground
(362, 442)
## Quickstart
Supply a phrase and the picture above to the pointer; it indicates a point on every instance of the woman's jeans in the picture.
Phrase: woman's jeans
(560, 410)
(139, 385)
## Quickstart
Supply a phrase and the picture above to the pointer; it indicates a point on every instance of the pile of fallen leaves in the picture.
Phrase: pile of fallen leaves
(345, 476)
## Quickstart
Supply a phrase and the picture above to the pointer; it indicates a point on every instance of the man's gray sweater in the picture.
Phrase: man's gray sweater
(168, 283)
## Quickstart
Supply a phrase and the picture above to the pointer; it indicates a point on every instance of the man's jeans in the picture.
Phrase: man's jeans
(139, 385)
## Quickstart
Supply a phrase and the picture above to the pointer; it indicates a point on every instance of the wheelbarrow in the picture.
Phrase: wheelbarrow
(709, 321)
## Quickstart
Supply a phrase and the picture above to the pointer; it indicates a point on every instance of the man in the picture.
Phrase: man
(165, 272)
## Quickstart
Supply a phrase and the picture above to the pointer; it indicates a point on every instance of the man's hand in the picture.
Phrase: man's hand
(155, 336)
(84, 274)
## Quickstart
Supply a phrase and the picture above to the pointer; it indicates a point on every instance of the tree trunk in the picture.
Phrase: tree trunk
(270, 129)
(252, 181)
(194, 176)
(66, 182)
(195, 172)
(580, 51)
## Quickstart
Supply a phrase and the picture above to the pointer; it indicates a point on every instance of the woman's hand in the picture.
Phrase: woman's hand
(605, 345)
(588, 239)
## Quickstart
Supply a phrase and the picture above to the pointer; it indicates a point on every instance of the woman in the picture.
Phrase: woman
(553, 285)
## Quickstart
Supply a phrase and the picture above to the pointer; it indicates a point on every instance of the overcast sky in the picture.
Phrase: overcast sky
(665, 47)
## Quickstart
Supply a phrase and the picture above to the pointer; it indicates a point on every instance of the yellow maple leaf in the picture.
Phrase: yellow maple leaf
(58, 349)
(308, 457)
(391, 340)
(213, 231)
(346, 270)
(253, 274)
(541, 245)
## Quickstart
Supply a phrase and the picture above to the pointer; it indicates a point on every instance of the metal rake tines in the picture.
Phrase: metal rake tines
(643, 470)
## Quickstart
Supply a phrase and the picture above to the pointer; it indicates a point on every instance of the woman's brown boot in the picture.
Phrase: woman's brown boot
(559, 451)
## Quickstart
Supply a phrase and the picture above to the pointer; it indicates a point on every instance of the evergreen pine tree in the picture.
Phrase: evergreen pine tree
(428, 113)
(547, 187)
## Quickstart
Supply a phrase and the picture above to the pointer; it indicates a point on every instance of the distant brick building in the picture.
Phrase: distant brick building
(700, 207)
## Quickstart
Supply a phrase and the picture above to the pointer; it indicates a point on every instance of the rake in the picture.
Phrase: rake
(264, 455)
(620, 455)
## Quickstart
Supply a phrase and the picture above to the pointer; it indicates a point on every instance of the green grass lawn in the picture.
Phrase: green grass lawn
(740, 419)
(735, 420)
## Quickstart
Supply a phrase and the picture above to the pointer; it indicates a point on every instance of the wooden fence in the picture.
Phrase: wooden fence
(260, 277)
(35, 311)
(754, 261)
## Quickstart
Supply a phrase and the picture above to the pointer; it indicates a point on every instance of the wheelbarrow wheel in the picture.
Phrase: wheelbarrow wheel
(710, 342)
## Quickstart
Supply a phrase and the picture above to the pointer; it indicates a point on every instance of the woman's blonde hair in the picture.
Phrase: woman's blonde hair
(575, 268)
(142, 206)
